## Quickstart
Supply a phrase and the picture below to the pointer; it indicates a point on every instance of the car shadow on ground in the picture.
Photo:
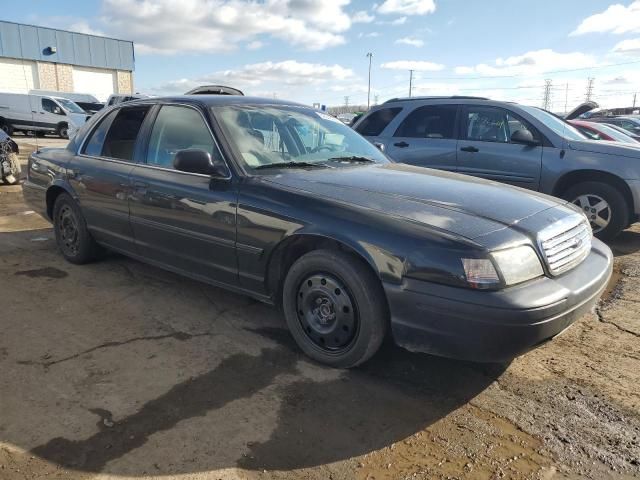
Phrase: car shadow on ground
(626, 243)
(298, 414)
(318, 422)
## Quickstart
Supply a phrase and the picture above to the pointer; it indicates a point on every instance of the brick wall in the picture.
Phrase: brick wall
(47, 76)
(125, 82)
(64, 73)
(55, 76)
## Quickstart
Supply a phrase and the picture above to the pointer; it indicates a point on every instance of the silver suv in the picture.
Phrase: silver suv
(524, 146)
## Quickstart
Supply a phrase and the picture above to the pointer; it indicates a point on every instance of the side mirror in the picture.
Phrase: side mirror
(57, 111)
(524, 137)
(194, 160)
(379, 146)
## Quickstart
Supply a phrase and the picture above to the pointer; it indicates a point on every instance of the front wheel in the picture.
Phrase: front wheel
(335, 308)
(63, 131)
(604, 206)
(72, 236)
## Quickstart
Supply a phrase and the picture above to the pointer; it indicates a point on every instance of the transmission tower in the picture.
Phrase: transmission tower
(589, 93)
(346, 101)
(546, 101)
(375, 99)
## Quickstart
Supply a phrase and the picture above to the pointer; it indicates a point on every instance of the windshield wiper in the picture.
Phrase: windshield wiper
(290, 165)
(352, 159)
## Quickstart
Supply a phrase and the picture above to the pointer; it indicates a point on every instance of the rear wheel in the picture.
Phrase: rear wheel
(72, 236)
(604, 206)
(7, 128)
(335, 308)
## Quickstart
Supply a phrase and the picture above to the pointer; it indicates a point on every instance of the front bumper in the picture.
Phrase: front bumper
(495, 326)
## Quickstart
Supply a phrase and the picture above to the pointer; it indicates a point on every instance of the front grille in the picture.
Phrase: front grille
(566, 243)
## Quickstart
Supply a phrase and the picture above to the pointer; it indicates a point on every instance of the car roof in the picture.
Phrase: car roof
(217, 100)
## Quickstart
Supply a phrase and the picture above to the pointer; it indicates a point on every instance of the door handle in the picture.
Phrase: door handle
(401, 144)
(469, 149)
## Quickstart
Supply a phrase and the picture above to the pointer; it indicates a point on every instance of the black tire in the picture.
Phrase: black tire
(355, 333)
(63, 130)
(8, 128)
(72, 236)
(618, 217)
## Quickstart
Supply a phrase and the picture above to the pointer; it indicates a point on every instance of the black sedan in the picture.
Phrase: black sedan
(288, 205)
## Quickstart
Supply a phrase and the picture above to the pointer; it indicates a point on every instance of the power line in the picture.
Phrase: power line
(534, 73)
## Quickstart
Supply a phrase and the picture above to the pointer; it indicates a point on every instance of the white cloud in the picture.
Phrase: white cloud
(255, 45)
(407, 7)
(279, 74)
(414, 42)
(368, 35)
(399, 21)
(530, 63)
(615, 19)
(199, 26)
(362, 17)
(417, 65)
(631, 46)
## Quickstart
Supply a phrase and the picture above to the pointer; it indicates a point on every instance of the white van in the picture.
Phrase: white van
(40, 113)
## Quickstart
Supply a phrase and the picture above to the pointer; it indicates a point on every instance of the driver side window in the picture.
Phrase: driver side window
(50, 106)
(179, 128)
(490, 124)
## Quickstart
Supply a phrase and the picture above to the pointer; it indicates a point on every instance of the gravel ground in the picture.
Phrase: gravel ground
(118, 369)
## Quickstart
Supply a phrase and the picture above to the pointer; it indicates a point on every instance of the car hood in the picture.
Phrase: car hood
(459, 204)
(581, 109)
(607, 148)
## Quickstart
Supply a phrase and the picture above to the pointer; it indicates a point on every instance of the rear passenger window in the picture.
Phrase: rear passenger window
(373, 124)
(431, 121)
(94, 146)
(121, 137)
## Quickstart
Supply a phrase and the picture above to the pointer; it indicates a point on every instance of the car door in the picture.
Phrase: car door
(373, 124)
(427, 138)
(184, 221)
(486, 150)
(100, 175)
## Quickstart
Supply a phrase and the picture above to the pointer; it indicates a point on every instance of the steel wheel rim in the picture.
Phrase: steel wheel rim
(327, 312)
(597, 210)
(68, 230)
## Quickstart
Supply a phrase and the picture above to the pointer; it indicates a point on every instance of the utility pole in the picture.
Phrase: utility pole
(370, 55)
(589, 89)
(634, 100)
(375, 99)
(547, 94)
(410, 82)
(566, 98)
(346, 102)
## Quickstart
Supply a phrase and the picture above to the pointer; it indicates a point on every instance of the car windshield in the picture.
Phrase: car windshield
(556, 124)
(615, 134)
(69, 106)
(272, 136)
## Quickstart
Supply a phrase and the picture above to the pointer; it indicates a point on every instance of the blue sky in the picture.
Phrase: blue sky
(314, 51)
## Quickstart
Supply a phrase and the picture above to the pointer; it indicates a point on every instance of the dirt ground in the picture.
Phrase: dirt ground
(120, 370)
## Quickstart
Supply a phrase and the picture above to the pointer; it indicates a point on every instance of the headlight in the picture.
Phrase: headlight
(480, 273)
(518, 264)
